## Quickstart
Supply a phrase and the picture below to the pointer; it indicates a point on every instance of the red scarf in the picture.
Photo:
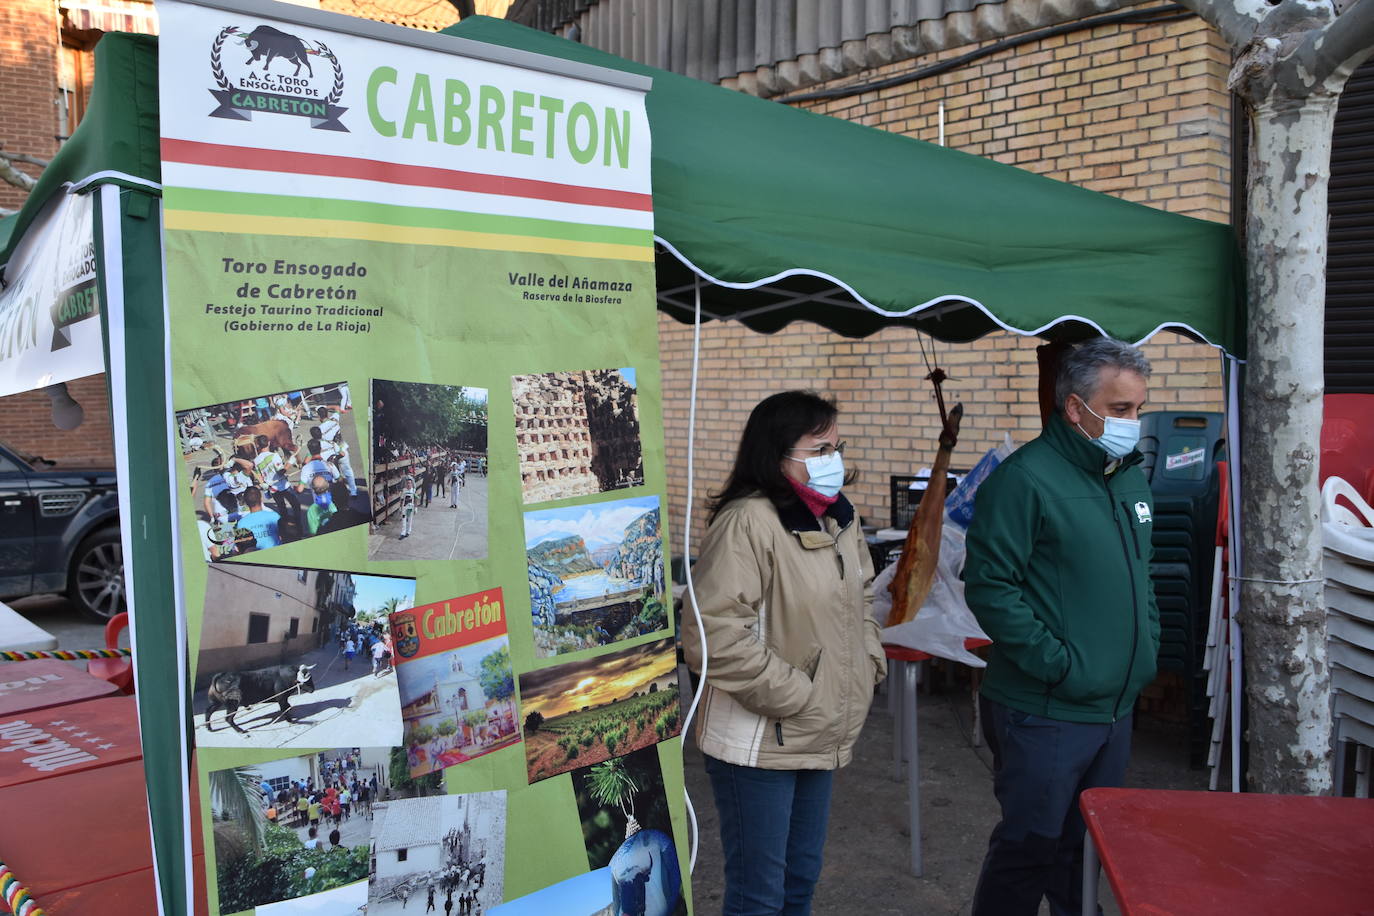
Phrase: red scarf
(816, 502)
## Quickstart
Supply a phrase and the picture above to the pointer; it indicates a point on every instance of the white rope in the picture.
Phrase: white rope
(687, 558)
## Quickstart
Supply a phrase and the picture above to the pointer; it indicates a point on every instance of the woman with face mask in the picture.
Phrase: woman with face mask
(783, 583)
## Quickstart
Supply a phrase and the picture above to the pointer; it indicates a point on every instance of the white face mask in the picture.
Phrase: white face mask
(825, 474)
(1119, 435)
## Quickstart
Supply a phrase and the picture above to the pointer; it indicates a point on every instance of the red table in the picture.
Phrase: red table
(1179, 853)
(26, 686)
(78, 836)
(73, 830)
(53, 742)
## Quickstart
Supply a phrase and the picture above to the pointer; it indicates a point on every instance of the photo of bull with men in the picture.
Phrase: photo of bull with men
(270, 469)
(297, 658)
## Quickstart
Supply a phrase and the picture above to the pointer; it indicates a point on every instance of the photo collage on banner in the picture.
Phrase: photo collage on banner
(271, 469)
(355, 283)
(297, 658)
(429, 450)
(457, 685)
(626, 817)
(580, 713)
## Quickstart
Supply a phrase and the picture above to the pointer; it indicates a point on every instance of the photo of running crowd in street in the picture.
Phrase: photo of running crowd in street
(272, 469)
(429, 472)
(294, 827)
(297, 658)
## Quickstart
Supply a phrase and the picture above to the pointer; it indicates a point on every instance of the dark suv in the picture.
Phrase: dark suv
(59, 532)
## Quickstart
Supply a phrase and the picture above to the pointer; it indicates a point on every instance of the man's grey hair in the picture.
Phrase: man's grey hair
(1081, 371)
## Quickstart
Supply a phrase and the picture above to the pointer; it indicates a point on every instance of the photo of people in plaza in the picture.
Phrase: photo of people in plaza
(270, 469)
(627, 826)
(297, 658)
(447, 853)
(595, 574)
(580, 713)
(429, 472)
(577, 433)
(295, 827)
(456, 682)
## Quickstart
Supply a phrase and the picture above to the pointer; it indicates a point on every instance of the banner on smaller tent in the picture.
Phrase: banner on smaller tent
(49, 305)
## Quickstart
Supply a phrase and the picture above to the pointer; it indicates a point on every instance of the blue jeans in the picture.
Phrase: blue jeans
(772, 831)
(1040, 766)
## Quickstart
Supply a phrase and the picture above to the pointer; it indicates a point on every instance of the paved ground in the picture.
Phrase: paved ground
(355, 830)
(349, 708)
(438, 532)
(866, 853)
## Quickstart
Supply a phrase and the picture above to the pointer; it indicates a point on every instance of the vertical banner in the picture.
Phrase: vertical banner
(49, 307)
(416, 395)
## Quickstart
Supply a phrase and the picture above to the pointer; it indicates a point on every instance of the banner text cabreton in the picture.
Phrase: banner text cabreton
(518, 122)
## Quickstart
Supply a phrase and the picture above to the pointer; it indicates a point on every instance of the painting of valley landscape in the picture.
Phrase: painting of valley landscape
(580, 713)
(595, 574)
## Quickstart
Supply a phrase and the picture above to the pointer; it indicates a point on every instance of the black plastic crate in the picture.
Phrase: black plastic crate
(904, 500)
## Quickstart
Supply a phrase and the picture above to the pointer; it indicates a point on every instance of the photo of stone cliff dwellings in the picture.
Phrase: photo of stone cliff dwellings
(595, 573)
(577, 433)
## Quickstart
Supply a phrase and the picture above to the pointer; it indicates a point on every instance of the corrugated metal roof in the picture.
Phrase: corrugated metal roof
(776, 46)
(411, 822)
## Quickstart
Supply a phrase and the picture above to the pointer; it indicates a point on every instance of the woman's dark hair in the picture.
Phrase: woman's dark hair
(774, 425)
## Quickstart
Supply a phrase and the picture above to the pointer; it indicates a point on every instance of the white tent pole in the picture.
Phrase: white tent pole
(1236, 567)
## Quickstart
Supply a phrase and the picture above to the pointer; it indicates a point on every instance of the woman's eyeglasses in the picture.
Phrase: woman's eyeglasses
(824, 450)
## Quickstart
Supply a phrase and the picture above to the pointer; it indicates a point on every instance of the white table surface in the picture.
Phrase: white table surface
(19, 634)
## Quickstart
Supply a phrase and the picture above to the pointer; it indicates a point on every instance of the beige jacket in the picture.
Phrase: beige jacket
(793, 652)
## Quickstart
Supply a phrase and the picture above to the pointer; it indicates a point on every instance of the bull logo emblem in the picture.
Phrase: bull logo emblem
(277, 77)
(269, 42)
(407, 635)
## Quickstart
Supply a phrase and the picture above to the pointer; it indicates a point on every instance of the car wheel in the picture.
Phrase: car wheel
(96, 583)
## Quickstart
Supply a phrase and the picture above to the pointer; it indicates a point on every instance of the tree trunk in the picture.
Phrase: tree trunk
(1284, 619)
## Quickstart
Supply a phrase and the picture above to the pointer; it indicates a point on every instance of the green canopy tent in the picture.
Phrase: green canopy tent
(857, 230)
(113, 155)
(795, 216)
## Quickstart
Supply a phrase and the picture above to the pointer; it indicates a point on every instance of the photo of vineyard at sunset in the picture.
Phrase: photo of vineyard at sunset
(585, 712)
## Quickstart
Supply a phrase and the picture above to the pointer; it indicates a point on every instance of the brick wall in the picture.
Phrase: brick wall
(28, 73)
(26, 425)
(1140, 112)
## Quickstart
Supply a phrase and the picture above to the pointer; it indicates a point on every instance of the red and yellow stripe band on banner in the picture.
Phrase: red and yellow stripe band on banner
(200, 210)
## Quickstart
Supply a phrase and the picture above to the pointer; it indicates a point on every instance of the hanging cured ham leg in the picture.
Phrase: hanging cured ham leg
(921, 552)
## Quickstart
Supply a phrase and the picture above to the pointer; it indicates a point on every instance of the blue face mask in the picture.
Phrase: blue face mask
(1119, 436)
(825, 474)
(324, 500)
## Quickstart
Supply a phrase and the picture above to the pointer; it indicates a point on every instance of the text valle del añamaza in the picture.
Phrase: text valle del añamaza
(586, 287)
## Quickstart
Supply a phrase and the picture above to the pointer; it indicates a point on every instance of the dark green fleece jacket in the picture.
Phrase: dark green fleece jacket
(1058, 575)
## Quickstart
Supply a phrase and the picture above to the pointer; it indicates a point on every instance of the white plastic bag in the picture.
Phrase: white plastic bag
(944, 621)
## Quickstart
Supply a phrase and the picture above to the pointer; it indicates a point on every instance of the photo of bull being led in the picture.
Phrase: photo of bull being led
(441, 853)
(295, 827)
(294, 657)
(270, 469)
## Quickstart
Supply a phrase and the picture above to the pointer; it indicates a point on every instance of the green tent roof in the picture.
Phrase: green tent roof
(117, 141)
(798, 216)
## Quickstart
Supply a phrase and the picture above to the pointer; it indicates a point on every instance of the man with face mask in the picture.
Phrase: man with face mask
(1057, 573)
